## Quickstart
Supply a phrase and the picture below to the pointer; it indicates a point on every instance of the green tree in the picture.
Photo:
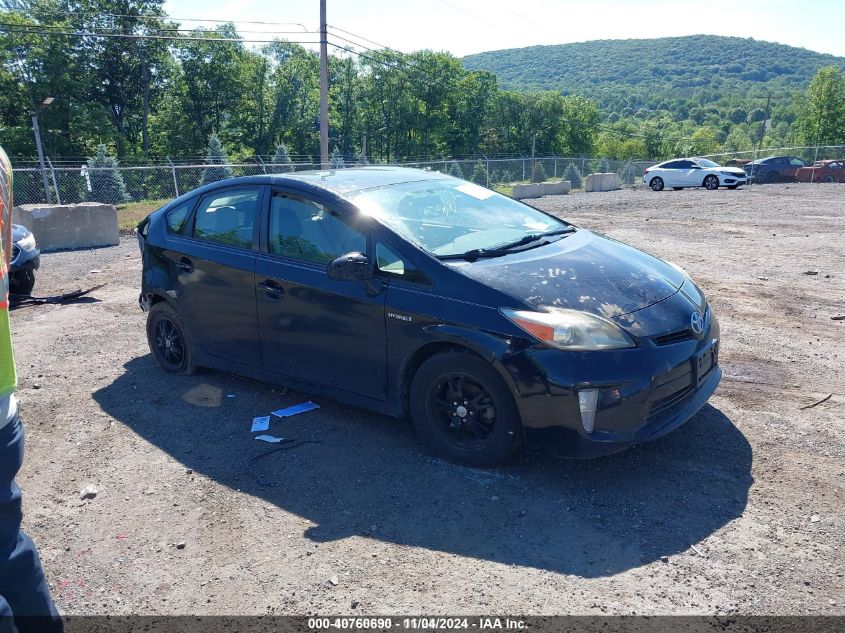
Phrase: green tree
(479, 174)
(216, 156)
(573, 176)
(603, 166)
(281, 159)
(107, 183)
(822, 120)
(455, 170)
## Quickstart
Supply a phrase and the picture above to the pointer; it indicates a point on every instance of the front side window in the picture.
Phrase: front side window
(306, 230)
(391, 264)
(228, 217)
(447, 216)
(796, 162)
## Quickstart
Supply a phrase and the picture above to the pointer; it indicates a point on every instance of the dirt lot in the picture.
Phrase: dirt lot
(741, 510)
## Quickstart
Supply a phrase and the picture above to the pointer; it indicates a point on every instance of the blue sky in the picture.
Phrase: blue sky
(470, 26)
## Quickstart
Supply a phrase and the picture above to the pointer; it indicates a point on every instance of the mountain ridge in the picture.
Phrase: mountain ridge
(639, 72)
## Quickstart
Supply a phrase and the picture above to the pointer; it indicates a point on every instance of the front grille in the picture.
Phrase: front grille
(673, 337)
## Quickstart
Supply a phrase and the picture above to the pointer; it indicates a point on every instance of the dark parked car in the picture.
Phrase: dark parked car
(773, 169)
(408, 291)
(26, 259)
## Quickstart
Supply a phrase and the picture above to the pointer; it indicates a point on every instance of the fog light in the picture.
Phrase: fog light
(587, 401)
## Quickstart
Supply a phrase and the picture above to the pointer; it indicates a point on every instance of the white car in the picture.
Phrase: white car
(693, 172)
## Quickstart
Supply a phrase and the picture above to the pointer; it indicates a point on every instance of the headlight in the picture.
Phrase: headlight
(27, 243)
(570, 329)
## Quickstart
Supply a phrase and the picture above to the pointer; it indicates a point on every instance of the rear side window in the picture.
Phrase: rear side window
(796, 162)
(305, 230)
(228, 217)
(177, 217)
(675, 164)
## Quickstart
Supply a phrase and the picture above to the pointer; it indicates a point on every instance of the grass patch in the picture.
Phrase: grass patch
(129, 214)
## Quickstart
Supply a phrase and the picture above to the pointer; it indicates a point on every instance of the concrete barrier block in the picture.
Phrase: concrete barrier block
(556, 188)
(533, 190)
(67, 226)
(602, 182)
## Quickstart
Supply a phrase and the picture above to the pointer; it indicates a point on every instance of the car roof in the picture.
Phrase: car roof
(337, 181)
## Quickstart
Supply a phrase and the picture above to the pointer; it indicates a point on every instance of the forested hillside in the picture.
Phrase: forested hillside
(626, 75)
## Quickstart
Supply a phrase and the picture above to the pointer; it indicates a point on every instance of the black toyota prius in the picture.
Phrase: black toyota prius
(413, 293)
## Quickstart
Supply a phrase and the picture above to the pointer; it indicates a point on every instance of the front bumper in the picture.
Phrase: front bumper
(644, 392)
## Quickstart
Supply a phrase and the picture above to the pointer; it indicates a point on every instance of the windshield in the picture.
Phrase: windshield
(449, 216)
(707, 164)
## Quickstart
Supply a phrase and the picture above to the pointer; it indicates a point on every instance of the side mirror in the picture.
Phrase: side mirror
(350, 267)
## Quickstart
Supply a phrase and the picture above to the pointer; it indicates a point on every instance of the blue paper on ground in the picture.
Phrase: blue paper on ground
(260, 424)
(297, 408)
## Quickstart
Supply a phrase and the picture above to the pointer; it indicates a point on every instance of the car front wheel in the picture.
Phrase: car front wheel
(463, 409)
(711, 183)
(22, 282)
(168, 340)
(656, 184)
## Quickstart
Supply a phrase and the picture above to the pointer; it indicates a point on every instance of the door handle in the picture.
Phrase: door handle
(185, 265)
(271, 289)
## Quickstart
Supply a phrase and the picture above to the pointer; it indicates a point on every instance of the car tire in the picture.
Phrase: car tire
(828, 179)
(464, 410)
(677, 188)
(169, 340)
(711, 182)
(22, 282)
(656, 184)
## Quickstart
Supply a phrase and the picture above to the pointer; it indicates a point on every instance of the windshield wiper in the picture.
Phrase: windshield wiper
(504, 249)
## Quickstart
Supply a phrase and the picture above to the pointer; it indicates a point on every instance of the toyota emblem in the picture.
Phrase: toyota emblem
(696, 323)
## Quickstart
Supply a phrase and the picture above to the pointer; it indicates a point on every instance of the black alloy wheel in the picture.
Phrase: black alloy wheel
(464, 410)
(168, 340)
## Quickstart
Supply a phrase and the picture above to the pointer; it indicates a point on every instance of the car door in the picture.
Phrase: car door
(214, 269)
(670, 174)
(689, 174)
(313, 328)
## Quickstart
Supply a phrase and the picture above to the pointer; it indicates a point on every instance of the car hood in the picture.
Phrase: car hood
(582, 271)
(19, 232)
(730, 170)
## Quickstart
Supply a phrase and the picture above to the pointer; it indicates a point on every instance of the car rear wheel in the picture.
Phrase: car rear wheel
(829, 179)
(656, 184)
(463, 410)
(168, 340)
(711, 183)
(22, 282)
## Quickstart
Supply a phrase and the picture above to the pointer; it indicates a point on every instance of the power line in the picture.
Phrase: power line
(4, 28)
(100, 29)
(139, 16)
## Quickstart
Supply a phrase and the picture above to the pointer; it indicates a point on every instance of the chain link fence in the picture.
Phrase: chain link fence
(69, 182)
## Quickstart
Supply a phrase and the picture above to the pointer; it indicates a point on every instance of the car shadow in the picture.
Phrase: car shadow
(352, 472)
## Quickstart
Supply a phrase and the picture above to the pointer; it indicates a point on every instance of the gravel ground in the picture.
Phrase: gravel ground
(739, 511)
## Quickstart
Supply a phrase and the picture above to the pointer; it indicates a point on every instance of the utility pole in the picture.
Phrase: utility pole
(324, 89)
(763, 132)
(47, 101)
(364, 149)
